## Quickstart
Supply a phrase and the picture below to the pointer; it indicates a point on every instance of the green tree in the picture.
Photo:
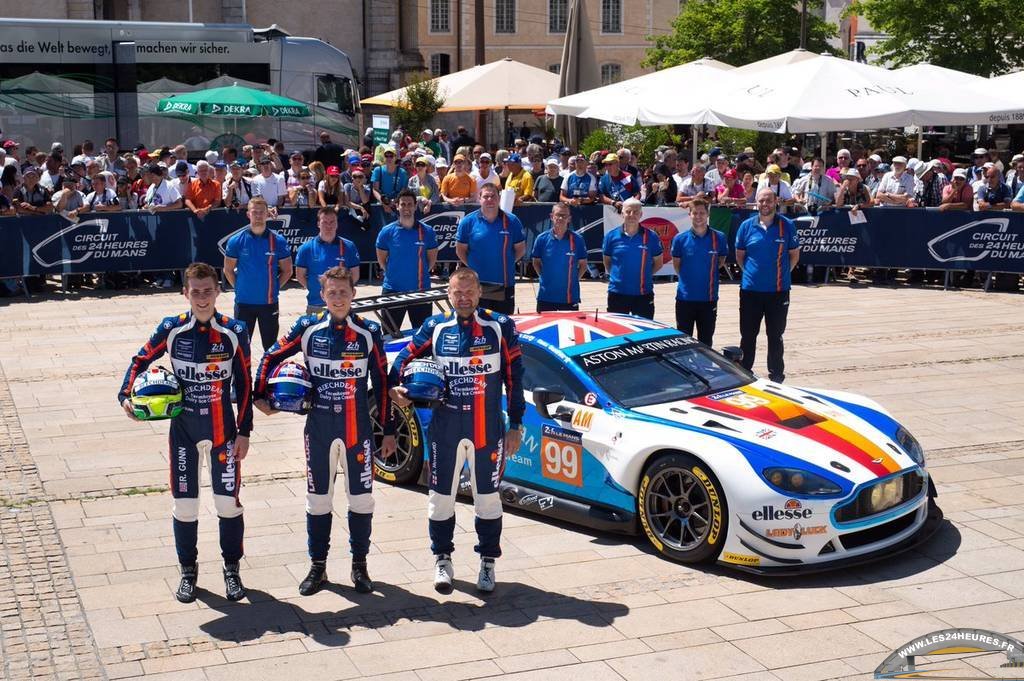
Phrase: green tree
(982, 37)
(738, 32)
(418, 104)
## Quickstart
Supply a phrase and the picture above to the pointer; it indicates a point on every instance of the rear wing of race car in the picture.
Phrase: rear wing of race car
(383, 306)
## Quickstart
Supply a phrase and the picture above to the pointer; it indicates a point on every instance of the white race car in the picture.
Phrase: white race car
(632, 426)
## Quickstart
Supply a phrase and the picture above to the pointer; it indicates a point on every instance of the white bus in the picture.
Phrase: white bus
(67, 81)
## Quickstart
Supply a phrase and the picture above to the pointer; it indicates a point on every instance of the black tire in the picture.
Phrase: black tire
(404, 466)
(682, 508)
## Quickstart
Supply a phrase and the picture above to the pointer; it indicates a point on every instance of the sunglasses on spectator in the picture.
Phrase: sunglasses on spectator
(862, 165)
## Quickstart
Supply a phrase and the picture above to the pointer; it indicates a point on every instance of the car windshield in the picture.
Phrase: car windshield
(642, 374)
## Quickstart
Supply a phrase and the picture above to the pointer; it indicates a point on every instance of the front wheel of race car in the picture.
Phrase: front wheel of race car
(682, 508)
(402, 467)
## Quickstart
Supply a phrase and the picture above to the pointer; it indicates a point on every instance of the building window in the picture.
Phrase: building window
(504, 16)
(558, 15)
(611, 16)
(440, 16)
(440, 64)
(555, 68)
(611, 73)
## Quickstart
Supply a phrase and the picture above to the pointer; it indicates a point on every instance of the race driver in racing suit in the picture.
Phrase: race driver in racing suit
(479, 353)
(341, 351)
(208, 351)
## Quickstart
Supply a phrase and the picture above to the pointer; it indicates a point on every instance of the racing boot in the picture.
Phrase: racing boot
(315, 578)
(233, 588)
(485, 580)
(186, 592)
(361, 577)
(444, 574)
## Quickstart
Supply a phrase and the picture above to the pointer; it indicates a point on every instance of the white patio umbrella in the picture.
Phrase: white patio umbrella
(923, 72)
(1013, 80)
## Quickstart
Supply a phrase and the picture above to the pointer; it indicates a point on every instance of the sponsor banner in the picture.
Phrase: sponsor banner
(665, 222)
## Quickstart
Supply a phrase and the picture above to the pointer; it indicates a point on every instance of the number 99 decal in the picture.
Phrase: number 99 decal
(562, 456)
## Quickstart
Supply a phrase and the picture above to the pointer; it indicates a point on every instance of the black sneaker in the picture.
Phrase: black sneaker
(186, 592)
(315, 578)
(361, 578)
(233, 588)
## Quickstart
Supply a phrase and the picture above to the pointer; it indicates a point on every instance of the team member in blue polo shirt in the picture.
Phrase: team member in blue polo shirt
(767, 248)
(406, 251)
(264, 263)
(560, 259)
(696, 256)
(326, 250)
(632, 254)
(490, 242)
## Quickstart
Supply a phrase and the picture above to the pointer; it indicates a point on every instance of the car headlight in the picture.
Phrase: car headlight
(796, 481)
(910, 445)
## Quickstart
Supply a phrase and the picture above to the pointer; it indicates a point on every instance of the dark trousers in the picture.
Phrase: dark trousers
(641, 306)
(418, 314)
(773, 308)
(702, 314)
(545, 306)
(265, 315)
(501, 301)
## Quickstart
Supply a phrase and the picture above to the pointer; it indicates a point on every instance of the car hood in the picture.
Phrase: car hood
(781, 424)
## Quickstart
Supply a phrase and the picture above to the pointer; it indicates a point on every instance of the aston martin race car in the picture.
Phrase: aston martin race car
(634, 427)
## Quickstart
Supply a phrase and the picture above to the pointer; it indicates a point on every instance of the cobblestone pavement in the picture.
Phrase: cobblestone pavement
(88, 566)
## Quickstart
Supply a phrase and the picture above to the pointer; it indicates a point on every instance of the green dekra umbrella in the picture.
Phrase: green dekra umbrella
(234, 101)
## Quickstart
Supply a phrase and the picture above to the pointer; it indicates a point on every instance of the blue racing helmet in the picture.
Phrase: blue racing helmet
(290, 388)
(424, 381)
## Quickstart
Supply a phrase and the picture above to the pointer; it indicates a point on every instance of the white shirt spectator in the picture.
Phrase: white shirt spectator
(270, 188)
(50, 180)
(688, 188)
(904, 184)
(782, 189)
(76, 199)
(814, 188)
(83, 158)
(490, 179)
(162, 194)
(103, 198)
(680, 178)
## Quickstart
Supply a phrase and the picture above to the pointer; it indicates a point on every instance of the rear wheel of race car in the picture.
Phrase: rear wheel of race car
(682, 508)
(402, 467)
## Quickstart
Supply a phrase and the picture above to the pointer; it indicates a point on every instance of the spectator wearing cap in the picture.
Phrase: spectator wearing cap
(897, 187)
(533, 161)
(388, 179)
(993, 194)
(237, 190)
(296, 164)
(317, 255)
(773, 180)
(103, 198)
(305, 194)
(617, 185)
(519, 180)
(258, 262)
(958, 195)
(852, 192)
(731, 192)
(632, 254)
(478, 151)
(484, 174)
(269, 184)
(767, 250)
(565, 155)
(977, 184)
(491, 242)
(697, 185)
(424, 186)
(161, 195)
(697, 255)
(406, 253)
(1015, 176)
(358, 197)
(330, 191)
(717, 173)
(31, 198)
(559, 258)
(458, 186)
(816, 190)
(220, 173)
(352, 161)
(428, 140)
(931, 184)
(203, 193)
(843, 161)
(441, 169)
(869, 177)
(548, 187)
(10, 149)
(978, 160)
(773, 159)
(180, 177)
(659, 187)
(580, 187)
(127, 198)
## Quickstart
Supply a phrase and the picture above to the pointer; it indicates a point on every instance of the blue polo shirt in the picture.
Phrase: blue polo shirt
(491, 245)
(390, 183)
(408, 268)
(317, 256)
(766, 267)
(698, 264)
(257, 270)
(632, 261)
(578, 187)
(560, 266)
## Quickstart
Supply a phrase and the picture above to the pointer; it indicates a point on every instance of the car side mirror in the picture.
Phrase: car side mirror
(543, 397)
(733, 353)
